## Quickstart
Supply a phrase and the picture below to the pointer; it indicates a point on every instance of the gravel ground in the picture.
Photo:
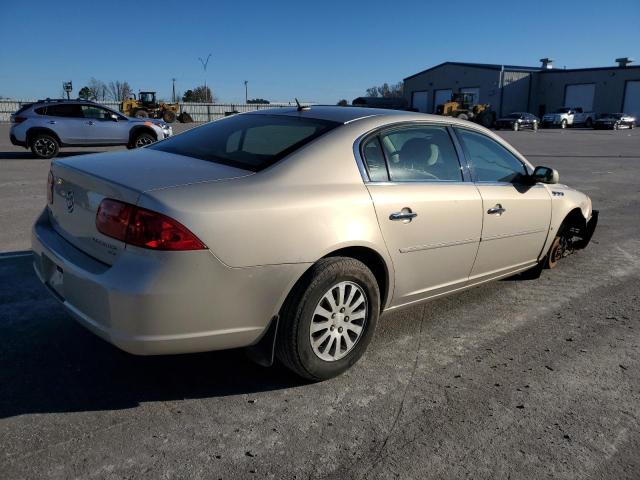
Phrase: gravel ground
(514, 379)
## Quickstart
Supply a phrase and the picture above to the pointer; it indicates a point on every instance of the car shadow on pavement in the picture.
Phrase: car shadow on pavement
(26, 155)
(49, 363)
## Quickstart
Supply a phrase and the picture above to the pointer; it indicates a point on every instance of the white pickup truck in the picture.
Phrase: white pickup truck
(567, 117)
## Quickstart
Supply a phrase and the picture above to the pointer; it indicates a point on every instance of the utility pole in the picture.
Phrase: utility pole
(174, 90)
(246, 92)
(204, 67)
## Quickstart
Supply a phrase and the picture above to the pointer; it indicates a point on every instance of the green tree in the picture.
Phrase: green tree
(199, 94)
(258, 101)
(343, 103)
(85, 94)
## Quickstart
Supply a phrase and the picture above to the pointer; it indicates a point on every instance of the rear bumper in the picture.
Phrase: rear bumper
(14, 141)
(150, 303)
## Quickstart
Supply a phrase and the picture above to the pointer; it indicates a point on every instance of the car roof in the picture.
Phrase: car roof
(332, 113)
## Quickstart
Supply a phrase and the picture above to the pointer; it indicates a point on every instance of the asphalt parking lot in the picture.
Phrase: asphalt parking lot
(517, 379)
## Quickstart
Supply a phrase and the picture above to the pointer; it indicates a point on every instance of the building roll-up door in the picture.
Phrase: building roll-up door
(440, 97)
(420, 101)
(632, 99)
(580, 96)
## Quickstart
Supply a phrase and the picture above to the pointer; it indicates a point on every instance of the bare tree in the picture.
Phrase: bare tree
(119, 91)
(200, 94)
(387, 91)
(97, 90)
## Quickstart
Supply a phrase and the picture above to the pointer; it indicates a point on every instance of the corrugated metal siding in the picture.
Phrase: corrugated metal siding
(200, 112)
(515, 94)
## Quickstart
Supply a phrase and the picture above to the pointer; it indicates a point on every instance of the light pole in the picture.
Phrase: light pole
(246, 92)
(173, 80)
(204, 67)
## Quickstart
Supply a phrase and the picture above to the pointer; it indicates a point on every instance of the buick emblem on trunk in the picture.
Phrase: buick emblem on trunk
(68, 195)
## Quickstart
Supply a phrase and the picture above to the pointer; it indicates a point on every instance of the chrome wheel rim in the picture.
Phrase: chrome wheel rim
(44, 147)
(338, 321)
(143, 140)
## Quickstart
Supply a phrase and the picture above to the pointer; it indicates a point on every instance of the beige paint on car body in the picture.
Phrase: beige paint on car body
(265, 229)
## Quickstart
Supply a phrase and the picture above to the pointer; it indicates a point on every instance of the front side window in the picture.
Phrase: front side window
(248, 141)
(421, 153)
(97, 113)
(490, 161)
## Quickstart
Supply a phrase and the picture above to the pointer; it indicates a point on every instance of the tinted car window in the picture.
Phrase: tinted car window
(424, 153)
(490, 161)
(374, 160)
(65, 110)
(91, 111)
(248, 141)
(41, 110)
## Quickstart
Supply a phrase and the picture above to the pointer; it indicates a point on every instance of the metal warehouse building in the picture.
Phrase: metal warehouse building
(512, 88)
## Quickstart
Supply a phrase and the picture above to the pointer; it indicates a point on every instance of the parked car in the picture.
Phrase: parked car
(47, 125)
(614, 121)
(292, 230)
(568, 117)
(517, 121)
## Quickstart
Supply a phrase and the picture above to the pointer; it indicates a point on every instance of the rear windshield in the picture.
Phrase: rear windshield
(22, 108)
(250, 141)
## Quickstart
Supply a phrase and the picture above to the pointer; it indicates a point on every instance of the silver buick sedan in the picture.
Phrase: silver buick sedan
(290, 231)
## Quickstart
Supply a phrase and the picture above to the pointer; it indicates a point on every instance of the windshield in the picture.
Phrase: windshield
(563, 110)
(514, 115)
(248, 141)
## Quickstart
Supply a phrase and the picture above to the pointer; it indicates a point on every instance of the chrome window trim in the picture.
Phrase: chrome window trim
(364, 173)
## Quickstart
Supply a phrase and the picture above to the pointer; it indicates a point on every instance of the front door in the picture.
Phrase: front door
(516, 216)
(102, 128)
(430, 218)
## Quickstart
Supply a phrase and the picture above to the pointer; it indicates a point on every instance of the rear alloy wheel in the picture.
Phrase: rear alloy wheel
(44, 146)
(329, 319)
(143, 139)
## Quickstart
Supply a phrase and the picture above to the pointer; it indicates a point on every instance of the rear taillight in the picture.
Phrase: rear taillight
(144, 228)
(50, 188)
(18, 119)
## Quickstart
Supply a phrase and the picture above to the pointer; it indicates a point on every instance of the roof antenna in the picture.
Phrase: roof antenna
(300, 107)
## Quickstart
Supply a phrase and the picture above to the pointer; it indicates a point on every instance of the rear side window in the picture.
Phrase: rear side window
(41, 110)
(374, 160)
(65, 110)
(250, 141)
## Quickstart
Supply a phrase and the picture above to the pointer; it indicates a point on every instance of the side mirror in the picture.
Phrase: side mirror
(545, 175)
(114, 117)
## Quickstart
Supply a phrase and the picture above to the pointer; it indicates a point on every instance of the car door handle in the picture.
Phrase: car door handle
(52, 122)
(406, 215)
(90, 122)
(496, 210)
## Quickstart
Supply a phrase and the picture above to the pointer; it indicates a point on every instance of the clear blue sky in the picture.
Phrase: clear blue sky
(318, 51)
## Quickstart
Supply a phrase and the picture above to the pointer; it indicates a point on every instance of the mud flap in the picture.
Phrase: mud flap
(588, 233)
(263, 352)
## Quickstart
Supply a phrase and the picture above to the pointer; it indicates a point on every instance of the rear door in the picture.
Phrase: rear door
(429, 216)
(515, 215)
(67, 121)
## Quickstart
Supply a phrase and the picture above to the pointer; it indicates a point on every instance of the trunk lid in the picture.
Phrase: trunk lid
(82, 182)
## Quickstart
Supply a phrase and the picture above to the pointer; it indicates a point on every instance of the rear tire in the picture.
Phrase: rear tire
(330, 350)
(463, 116)
(44, 146)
